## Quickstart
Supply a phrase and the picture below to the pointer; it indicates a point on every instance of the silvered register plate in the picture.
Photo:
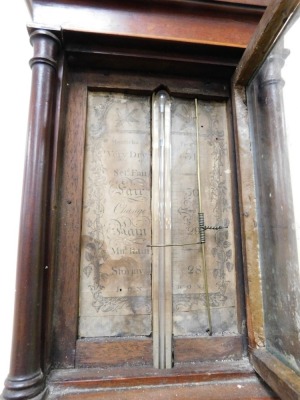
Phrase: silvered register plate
(115, 286)
(116, 257)
(189, 297)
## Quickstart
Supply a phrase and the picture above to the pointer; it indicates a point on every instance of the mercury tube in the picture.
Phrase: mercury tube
(161, 230)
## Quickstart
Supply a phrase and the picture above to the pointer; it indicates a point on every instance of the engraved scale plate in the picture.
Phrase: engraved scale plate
(115, 286)
(116, 270)
(189, 301)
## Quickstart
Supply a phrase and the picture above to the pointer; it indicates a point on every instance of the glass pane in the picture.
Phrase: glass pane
(275, 135)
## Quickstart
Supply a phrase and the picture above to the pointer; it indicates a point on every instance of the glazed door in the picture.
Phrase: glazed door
(265, 85)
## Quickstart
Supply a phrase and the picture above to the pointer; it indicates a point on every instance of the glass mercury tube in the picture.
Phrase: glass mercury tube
(161, 207)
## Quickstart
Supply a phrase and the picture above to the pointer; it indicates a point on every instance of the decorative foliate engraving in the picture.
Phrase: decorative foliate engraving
(115, 286)
(115, 291)
(189, 300)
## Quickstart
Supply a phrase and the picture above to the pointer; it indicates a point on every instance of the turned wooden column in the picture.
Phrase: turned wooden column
(26, 379)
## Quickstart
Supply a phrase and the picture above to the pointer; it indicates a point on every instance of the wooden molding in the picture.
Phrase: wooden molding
(227, 380)
(271, 24)
(202, 22)
(279, 376)
(248, 217)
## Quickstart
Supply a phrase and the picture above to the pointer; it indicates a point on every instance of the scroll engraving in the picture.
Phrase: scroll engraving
(116, 270)
(188, 283)
(115, 298)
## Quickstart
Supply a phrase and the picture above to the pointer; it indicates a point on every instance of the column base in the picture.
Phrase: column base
(30, 387)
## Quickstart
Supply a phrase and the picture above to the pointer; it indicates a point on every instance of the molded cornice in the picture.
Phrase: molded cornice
(228, 23)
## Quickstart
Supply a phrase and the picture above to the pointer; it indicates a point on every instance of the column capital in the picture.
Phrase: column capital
(271, 70)
(45, 46)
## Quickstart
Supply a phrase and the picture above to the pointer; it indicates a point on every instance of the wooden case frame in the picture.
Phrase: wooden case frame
(37, 324)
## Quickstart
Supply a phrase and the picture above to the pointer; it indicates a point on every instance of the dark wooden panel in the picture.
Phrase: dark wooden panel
(114, 352)
(54, 179)
(141, 83)
(207, 348)
(69, 226)
(114, 52)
